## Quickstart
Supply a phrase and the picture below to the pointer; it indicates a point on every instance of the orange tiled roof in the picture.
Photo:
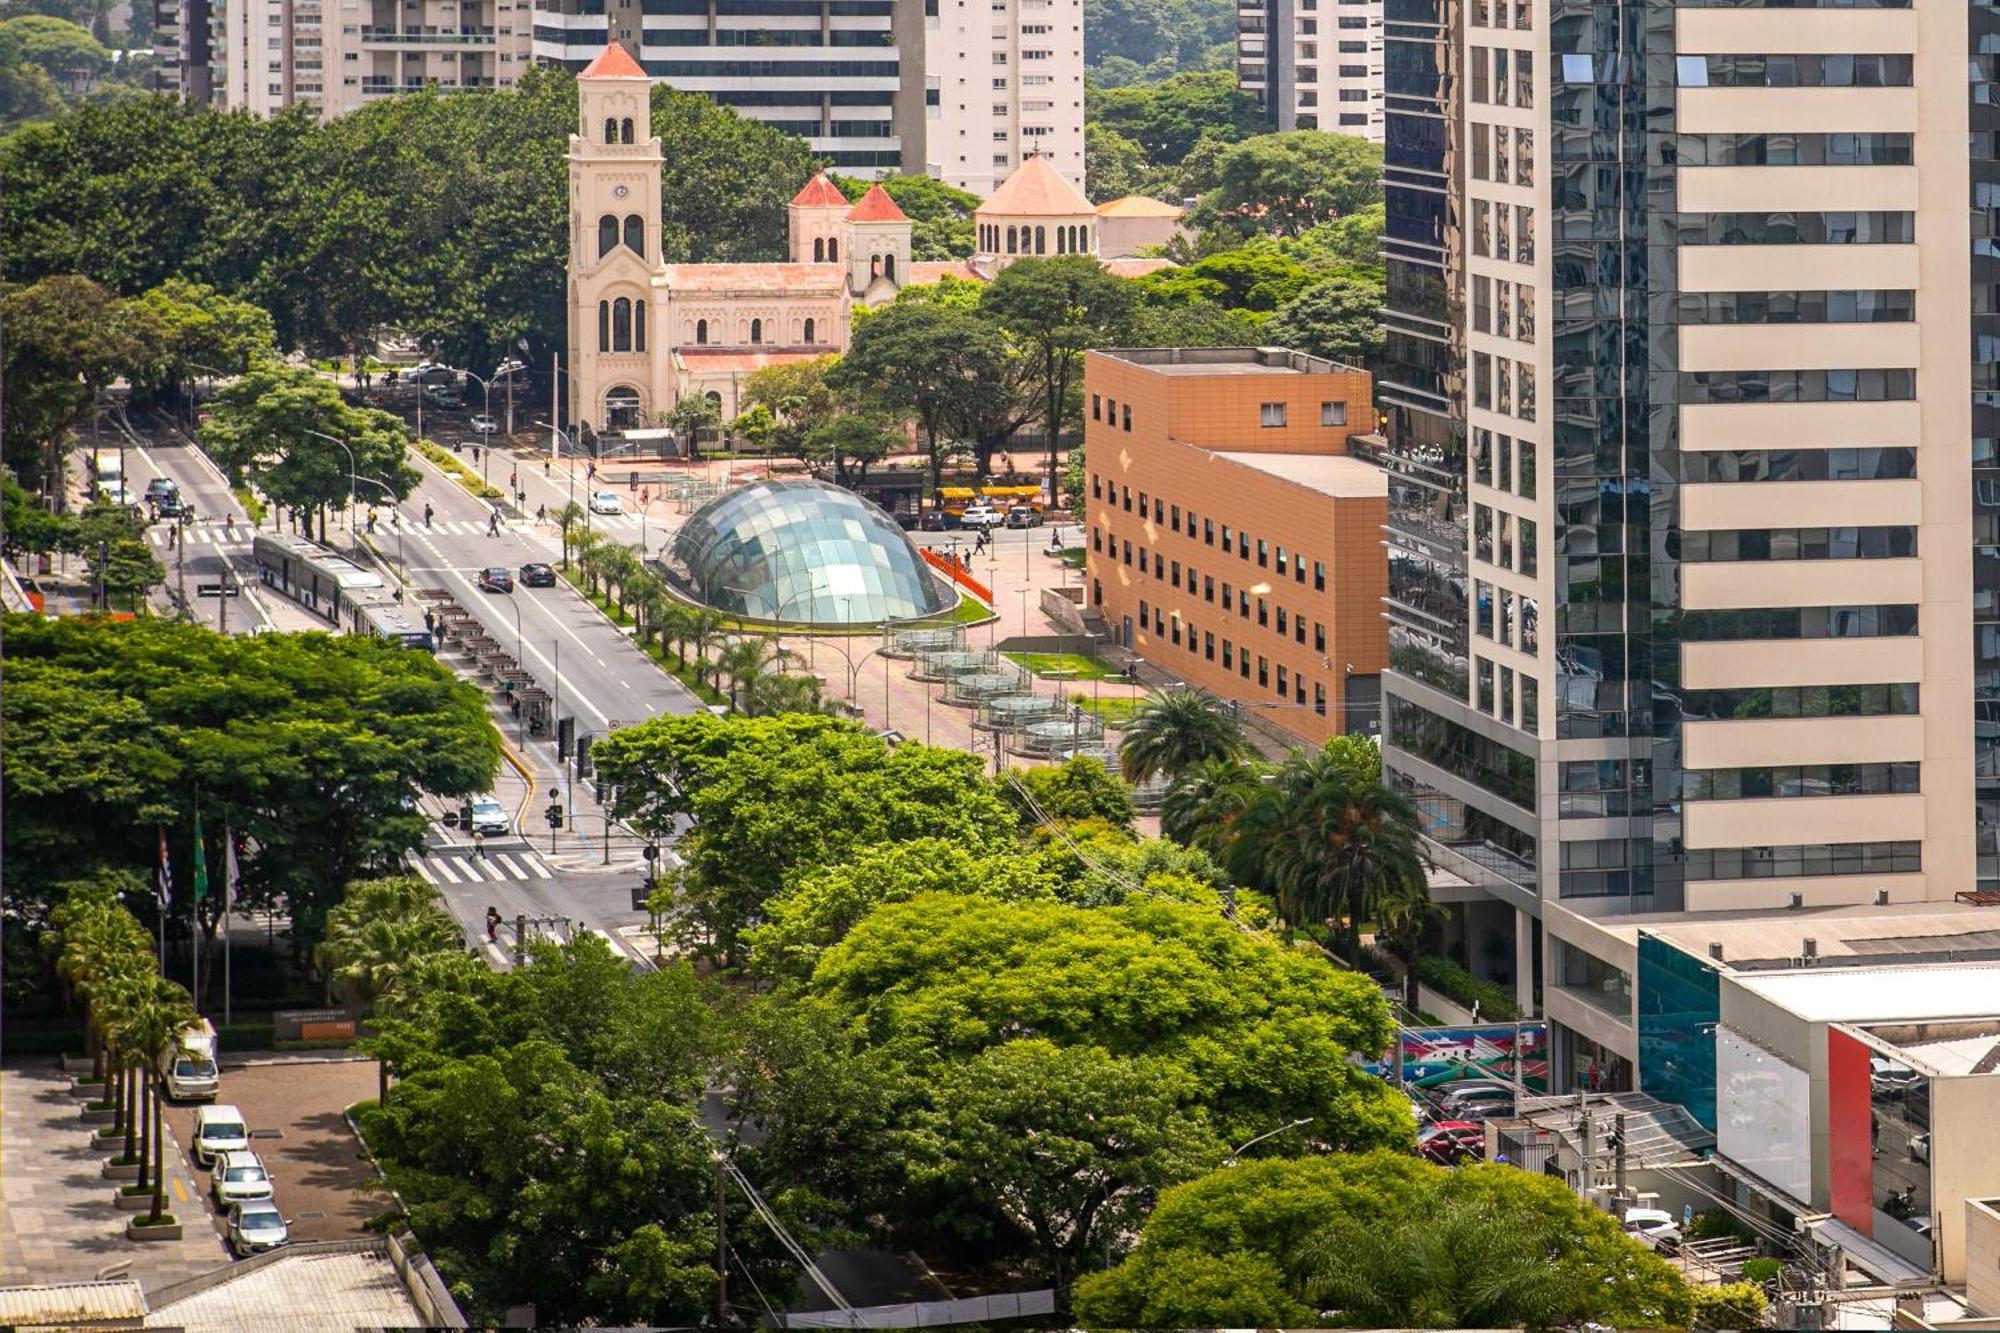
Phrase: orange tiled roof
(877, 206)
(800, 279)
(1036, 189)
(613, 62)
(819, 192)
(1138, 206)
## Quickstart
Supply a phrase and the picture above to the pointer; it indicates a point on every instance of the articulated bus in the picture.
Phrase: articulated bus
(336, 589)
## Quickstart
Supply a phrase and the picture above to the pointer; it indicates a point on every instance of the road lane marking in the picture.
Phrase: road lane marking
(535, 864)
(424, 870)
(508, 862)
(443, 866)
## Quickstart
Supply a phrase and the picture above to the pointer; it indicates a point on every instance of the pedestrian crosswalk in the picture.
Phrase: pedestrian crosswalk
(462, 866)
(238, 538)
(161, 536)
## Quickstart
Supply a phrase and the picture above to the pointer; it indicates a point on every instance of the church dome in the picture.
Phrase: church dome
(805, 552)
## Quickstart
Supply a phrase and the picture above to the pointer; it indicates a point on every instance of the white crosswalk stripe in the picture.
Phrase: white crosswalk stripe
(495, 867)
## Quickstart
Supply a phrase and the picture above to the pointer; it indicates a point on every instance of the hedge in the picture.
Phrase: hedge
(1455, 983)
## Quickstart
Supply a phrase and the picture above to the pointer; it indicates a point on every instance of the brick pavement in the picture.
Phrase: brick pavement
(57, 1222)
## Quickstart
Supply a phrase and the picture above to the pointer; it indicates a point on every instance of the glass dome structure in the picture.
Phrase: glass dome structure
(807, 553)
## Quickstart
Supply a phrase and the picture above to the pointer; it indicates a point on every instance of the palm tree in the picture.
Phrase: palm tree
(748, 659)
(1175, 729)
(1203, 807)
(704, 624)
(617, 566)
(120, 995)
(771, 693)
(586, 546)
(151, 1026)
(674, 620)
(650, 601)
(570, 519)
(379, 931)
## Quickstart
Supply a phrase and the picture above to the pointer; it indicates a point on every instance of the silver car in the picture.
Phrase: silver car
(257, 1227)
(239, 1177)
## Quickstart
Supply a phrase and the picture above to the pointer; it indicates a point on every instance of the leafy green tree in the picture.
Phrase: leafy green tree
(1205, 805)
(56, 46)
(1173, 730)
(693, 413)
(1166, 119)
(202, 332)
(1286, 184)
(1340, 319)
(67, 339)
(1385, 1241)
(313, 746)
(799, 396)
(1078, 788)
(940, 215)
(265, 429)
(937, 363)
(1054, 310)
(379, 933)
(1197, 322)
(1112, 164)
(852, 442)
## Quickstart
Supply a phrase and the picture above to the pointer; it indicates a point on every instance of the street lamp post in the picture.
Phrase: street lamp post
(521, 655)
(557, 433)
(351, 480)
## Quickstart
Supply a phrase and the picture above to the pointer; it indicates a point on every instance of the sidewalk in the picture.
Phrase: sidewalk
(57, 1222)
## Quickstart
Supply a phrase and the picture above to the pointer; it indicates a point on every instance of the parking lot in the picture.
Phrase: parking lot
(294, 1109)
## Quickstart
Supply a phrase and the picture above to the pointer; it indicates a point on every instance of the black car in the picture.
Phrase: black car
(496, 579)
(538, 576)
(935, 520)
(169, 504)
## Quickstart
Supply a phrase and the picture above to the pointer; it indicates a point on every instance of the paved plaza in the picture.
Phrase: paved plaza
(57, 1222)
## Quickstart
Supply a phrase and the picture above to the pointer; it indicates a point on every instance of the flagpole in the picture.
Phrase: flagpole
(228, 906)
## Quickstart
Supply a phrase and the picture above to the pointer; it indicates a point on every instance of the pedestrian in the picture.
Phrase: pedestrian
(371, 520)
(427, 515)
(492, 923)
(590, 472)
(645, 496)
(514, 480)
(545, 467)
(396, 519)
(173, 536)
(632, 481)
(541, 513)
(493, 524)
(430, 621)
(475, 453)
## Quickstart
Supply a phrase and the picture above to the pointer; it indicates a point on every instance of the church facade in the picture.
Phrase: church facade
(643, 332)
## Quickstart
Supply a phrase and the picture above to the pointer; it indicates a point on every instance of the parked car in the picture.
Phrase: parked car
(497, 578)
(256, 1227)
(1888, 1075)
(606, 502)
(935, 520)
(113, 492)
(1024, 516)
(979, 516)
(239, 1177)
(219, 1129)
(1655, 1227)
(538, 575)
(1451, 1141)
(1481, 1098)
(484, 424)
(490, 817)
(189, 1068)
(1920, 1148)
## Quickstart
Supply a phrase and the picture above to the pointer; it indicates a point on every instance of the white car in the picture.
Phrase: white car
(1655, 1227)
(484, 424)
(606, 502)
(490, 817)
(219, 1129)
(980, 516)
(239, 1177)
(256, 1227)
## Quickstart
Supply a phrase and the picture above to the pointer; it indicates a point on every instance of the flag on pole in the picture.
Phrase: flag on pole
(200, 864)
(228, 870)
(164, 884)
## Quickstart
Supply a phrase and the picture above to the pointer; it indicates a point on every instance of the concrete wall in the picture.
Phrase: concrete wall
(1982, 1256)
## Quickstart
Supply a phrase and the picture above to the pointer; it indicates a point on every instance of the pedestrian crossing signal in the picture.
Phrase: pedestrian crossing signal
(555, 813)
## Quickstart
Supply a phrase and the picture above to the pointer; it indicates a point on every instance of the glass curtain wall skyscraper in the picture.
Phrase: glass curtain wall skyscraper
(1692, 536)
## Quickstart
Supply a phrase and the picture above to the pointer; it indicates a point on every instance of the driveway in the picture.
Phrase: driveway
(295, 1108)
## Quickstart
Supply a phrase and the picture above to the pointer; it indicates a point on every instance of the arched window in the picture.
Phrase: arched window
(700, 332)
(819, 249)
(1041, 240)
(604, 326)
(611, 129)
(625, 130)
(638, 326)
(889, 267)
(874, 265)
(621, 325)
(1062, 240)
(1083, 238)
(635, 234)
(756, 330)
(809, 332)
(1010, 240)
(607, 235)
(833, 249)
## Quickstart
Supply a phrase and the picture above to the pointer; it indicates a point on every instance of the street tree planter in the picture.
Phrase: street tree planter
(117, 1170)
(167, 1229)
(104, 1116)
(85, 1086)
(142, 1202)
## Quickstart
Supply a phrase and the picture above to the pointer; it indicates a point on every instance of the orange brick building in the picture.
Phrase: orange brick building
(1234, 542)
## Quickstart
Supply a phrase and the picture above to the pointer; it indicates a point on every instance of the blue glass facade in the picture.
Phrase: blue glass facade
(805, 552)
(1680, 1004)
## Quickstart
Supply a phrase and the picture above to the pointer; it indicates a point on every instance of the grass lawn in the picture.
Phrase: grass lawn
(457, 471)
(1073, 556)
(1076, 665)
(969, 611)
(1115, 712)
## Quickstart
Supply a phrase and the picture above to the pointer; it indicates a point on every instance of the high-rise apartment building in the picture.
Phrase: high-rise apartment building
(1693, 513)
(340, 55)
(1313, 64)
(963, 90)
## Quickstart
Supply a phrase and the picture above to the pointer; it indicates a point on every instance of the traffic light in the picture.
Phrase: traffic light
(555, 814)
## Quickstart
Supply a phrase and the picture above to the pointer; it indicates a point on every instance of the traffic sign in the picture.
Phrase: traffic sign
(218, 590)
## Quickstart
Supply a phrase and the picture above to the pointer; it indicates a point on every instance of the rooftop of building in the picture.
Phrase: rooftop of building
(877, 206)
(1947, 1049)
(613, 62)
(1224, 360)
(1336, 475)
(819, 192)
(1772, 939)
(1138, 206)
(55, 1304)
(1135, 267)
(297, 1291)
(1881, 994)
(1036, 189)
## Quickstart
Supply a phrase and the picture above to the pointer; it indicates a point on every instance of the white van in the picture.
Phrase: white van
(190, 1069)
(217, 1130)
(107, 467)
